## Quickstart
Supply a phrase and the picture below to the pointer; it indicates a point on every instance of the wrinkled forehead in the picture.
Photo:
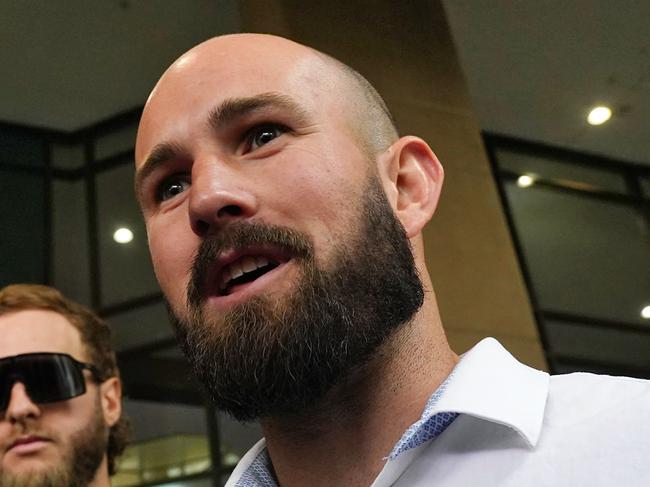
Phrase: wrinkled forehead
(201, 79)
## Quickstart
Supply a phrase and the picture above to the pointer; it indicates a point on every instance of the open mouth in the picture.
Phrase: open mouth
(244, 270)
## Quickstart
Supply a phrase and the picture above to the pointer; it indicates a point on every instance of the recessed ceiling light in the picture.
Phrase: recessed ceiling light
(645, 312)
(525, 180)
(123, 235)
(599, 115)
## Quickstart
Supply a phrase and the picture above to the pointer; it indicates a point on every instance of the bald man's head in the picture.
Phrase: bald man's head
(280, 204)
(367, 115)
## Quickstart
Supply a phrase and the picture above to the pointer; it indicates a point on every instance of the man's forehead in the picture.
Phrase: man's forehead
(244, 51)
(34, 330)
(225, 72)
(243, 65)
(234, 68)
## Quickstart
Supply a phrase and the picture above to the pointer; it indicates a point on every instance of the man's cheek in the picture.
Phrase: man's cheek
(171, 263)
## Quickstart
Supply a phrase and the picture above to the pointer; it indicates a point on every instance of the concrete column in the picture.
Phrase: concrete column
(405, 49)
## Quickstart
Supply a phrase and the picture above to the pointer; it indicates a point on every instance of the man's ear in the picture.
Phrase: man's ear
(111, 397)
(414, 177)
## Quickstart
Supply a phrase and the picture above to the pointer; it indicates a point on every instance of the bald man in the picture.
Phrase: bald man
(285, 219)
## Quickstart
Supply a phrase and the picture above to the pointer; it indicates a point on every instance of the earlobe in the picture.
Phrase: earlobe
(111, 398)
(417, 177)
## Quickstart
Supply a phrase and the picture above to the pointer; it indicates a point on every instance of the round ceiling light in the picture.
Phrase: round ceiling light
(123, 235)
(645, 312)
(599, 115)
(525, 181)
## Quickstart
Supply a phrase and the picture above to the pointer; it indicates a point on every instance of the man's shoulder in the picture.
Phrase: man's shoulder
(595, 431)
(604, 390)
(583, 401)
(598, 384)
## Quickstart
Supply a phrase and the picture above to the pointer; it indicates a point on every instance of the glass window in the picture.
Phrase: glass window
(21, 147)
(203, 482)
(140, 326)
(521, 163)
(116, 142)
(70, 261)
(585, 256)
(169, 443)
(23, 244)
(67, 156)
(645, 186)
(125, 268)
(599, 345)
(237, 438)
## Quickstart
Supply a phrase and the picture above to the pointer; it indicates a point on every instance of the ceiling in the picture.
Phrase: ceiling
(534, 68)
(70, 63)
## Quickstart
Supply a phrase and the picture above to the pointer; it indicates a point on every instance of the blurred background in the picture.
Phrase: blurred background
(541, 238)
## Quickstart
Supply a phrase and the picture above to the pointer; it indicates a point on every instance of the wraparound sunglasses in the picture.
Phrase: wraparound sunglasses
(47, 377)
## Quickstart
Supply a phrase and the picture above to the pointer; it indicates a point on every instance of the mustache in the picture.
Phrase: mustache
(240, 235)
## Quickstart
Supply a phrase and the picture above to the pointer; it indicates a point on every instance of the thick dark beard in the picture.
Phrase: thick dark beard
(78, 466)
(280, 357)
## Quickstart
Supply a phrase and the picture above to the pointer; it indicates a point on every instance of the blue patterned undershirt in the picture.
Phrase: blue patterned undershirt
(259, 473)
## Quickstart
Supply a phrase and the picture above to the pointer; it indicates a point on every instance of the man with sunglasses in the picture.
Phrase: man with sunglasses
(60, 392)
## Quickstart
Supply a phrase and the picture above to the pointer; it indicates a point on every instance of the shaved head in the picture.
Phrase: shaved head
(367, 115)
(273, 150)
(269, 178)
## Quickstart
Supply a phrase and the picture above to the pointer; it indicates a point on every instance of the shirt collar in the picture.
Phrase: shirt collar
(489, 383)
(431, 424)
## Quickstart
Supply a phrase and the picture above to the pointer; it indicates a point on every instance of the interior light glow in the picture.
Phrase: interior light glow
(230, 459)
(525, 181)
(123, 235)
(599, 115)
(645, 312)
(198, 466)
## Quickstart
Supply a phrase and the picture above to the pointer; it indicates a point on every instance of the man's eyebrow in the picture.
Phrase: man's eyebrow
(232, 109)
(157, 157)
(227, 112)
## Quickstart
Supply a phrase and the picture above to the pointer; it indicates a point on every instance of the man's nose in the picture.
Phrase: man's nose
(220, 194)
(20, 405)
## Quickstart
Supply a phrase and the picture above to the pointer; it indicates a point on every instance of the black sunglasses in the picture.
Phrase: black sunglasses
(47, 377)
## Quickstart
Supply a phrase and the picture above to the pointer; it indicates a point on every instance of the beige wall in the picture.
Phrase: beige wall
(405, 49)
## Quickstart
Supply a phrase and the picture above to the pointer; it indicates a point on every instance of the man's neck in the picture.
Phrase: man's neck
(101, 479)
(346, 438)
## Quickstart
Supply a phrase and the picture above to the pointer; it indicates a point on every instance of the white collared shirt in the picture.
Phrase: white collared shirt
(519, 427)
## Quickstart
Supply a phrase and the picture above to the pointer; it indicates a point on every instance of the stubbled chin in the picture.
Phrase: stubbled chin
(29, 465)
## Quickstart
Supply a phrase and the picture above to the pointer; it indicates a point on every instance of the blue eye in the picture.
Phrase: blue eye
(171, 187)
(264, 134)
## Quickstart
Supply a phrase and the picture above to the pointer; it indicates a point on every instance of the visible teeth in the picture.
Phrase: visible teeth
(230, 272)
(236, 269)
(249, 264)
